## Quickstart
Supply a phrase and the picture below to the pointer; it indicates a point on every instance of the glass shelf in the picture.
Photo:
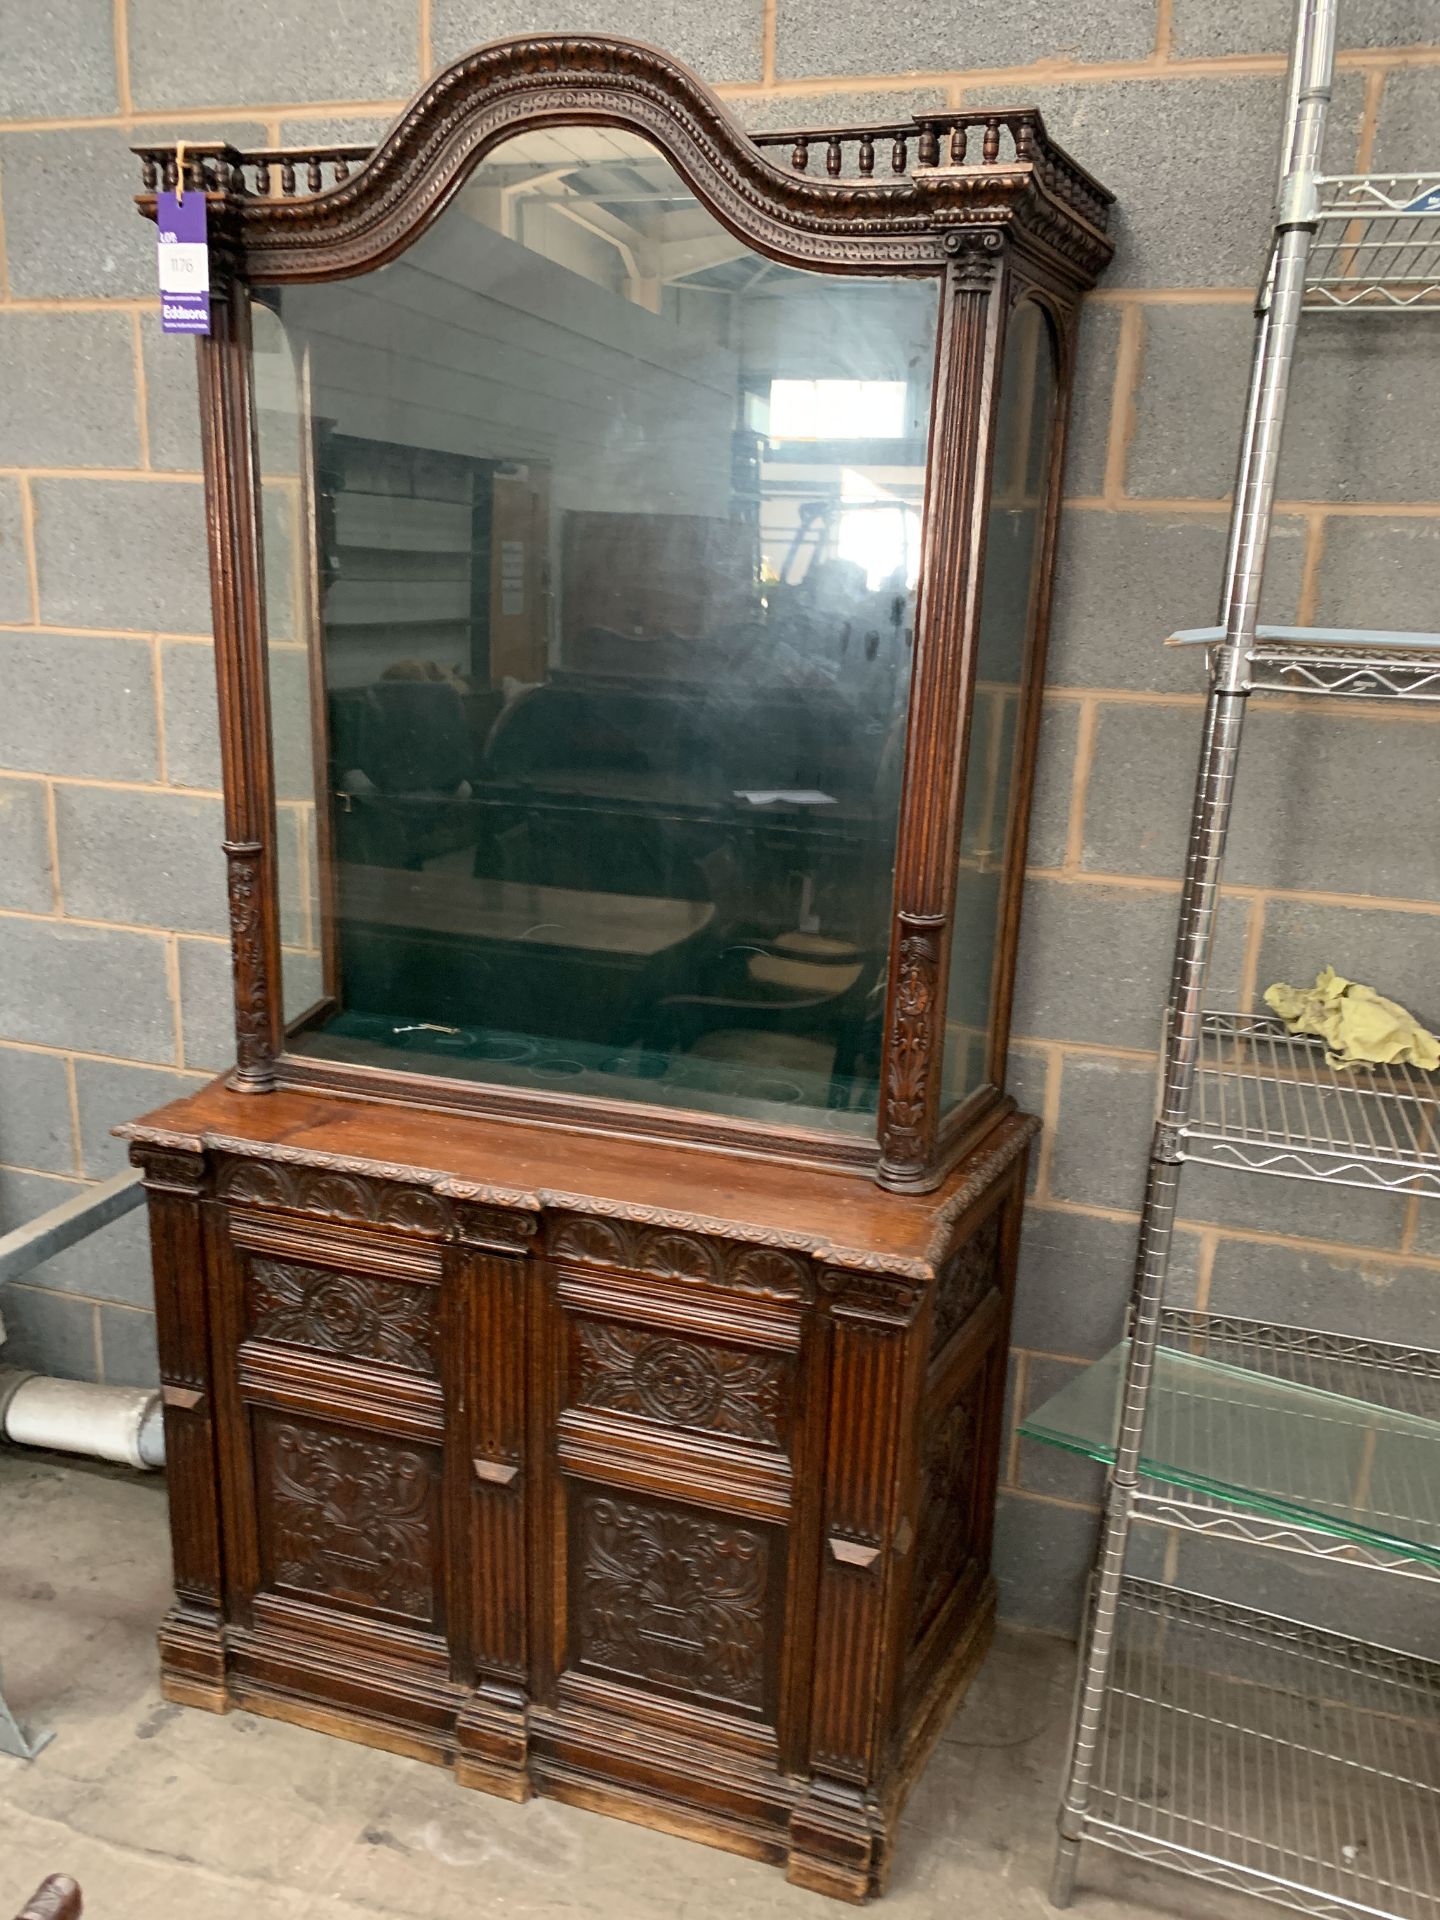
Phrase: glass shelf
(1336, 1436)
(1267, 1102)
(1270, 1757)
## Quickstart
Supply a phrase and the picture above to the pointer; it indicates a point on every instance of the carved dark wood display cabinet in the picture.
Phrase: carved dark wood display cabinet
(583, 1309)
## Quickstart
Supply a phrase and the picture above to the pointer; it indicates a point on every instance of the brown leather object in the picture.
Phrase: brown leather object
(57, 1898)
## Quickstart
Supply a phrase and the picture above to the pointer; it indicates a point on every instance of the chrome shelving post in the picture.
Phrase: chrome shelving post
(1278, 315)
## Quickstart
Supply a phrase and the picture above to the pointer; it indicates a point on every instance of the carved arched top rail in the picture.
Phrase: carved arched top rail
(910, 192)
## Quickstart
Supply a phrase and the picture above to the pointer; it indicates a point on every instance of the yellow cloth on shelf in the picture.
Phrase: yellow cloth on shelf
(1359, 1026)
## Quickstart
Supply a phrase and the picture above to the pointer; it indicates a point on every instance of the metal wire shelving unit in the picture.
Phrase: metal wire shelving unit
(1269, 1756)
(1377, 242)
(1266, 1101)
(1247, 1750)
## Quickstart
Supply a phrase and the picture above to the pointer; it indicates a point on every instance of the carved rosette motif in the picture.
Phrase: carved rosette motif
(381, 1203)
(351, 1518)
(944, 1543)
(680, 1383)
(254, 1042)
(912, 1048)
(967, 1277)
(357, 1315)
(673, 1598)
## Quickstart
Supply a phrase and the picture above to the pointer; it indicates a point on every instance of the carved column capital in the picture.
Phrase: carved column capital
(171, 1168)
(482, 1224)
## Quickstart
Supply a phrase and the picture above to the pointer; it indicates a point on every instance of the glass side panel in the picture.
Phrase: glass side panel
(614, 540)
(1351, 1467)
(280, 438)
(1012, 555)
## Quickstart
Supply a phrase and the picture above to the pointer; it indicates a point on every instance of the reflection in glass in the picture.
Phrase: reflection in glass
(281, 445)
(615, 528)
(1012, 562)
(611, 536)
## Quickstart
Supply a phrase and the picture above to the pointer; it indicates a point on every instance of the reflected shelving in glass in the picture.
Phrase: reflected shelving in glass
(618, 533)
(1329, 1433)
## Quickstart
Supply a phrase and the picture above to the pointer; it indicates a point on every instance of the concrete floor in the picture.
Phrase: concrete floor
(167, 1814)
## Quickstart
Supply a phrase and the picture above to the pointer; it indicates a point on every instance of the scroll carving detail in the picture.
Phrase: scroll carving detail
(671, 1598)
(245, 876)
(912, 1045)
(944, 1543)
(383, 1203)
(965, 1279)
(676, 1255)
(351, 1519)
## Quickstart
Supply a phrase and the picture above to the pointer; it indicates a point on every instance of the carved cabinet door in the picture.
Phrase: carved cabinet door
(334, 1463)
(668, 1581)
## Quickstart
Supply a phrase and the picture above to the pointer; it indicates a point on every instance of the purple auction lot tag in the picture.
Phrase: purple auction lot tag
(184, 261)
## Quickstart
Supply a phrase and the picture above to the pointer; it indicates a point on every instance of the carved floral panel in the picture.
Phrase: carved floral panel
(348, 1517)
(679, 1382)
(672, 1598)
(970, 1273)
(944, 1538)
(358, 1315)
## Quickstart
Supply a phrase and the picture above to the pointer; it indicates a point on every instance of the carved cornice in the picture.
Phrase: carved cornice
(982, 1168)
(380, 202)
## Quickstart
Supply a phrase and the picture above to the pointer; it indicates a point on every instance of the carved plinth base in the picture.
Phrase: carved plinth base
(492, 1742)
(837, 1843)
(192, 1662)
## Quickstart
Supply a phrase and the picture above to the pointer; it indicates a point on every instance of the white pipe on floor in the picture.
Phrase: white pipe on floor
(123, 1424)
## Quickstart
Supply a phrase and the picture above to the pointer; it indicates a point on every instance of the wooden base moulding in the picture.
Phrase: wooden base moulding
(665, 1488)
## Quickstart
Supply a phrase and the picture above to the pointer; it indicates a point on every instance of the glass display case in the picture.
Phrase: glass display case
(652, 606)
(583, 1309)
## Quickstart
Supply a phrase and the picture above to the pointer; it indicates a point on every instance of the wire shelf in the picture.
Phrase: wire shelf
(1324, 1438)
(1270, 1757)
(1184, 1510)
(1266, 1101)
(1356, 663)
(1377, 244)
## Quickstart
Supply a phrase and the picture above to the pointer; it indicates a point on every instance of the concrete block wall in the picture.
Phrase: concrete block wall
(113, 968)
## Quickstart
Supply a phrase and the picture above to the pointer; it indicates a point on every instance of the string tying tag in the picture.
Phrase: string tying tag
(179, 173)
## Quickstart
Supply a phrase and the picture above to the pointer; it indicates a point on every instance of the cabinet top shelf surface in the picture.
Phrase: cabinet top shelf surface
(840, 1217)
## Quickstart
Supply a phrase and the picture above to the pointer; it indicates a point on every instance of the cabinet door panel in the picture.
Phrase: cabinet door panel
(673, 1487)
(329, 1359)
(347, 1517)
(678, 1599)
